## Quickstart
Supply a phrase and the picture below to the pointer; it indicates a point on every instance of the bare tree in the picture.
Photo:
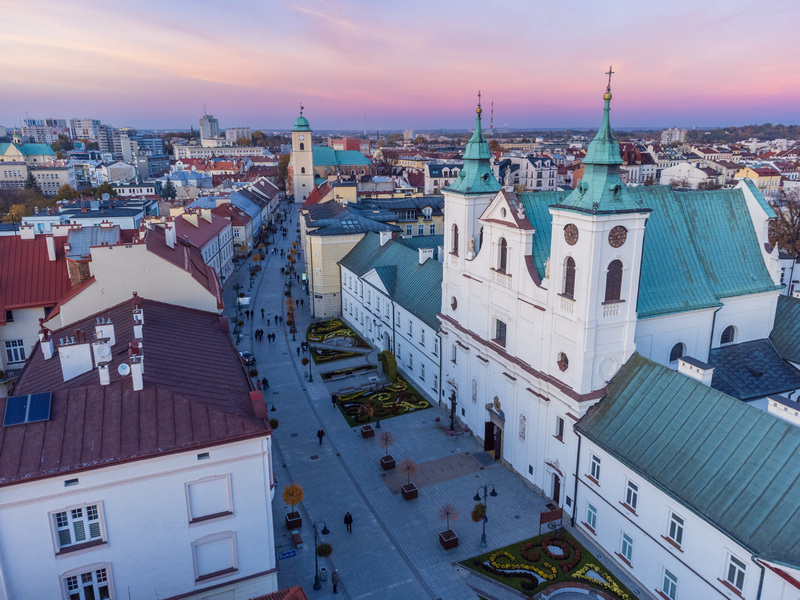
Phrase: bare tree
(785, 230)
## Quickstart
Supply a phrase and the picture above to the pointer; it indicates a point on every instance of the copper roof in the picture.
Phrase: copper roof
(191, 399)
(28, 277)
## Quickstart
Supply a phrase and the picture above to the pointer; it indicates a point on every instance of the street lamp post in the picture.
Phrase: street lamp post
(452, 409)
(271, 406)
(325, 531)
(477, 498)
(308, 355)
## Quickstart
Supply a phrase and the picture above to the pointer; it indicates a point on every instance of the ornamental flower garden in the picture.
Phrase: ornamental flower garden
(533, 565)
(398, 398)
(329, 330)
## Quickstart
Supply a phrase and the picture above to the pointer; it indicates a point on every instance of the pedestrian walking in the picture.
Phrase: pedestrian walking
(298, 352)
(348, 520)
(335, 578)
(262, 313)
(320, 435)
(301, 302)
(297, 302)
(264, 382)
(334, 398)
(268, 321)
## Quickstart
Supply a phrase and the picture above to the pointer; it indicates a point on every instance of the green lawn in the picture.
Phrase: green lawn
(396, 399)
(514, 566)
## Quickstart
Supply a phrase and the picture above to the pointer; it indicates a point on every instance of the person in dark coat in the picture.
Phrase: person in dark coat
(320, 435)
(264, 382)
(348, 520)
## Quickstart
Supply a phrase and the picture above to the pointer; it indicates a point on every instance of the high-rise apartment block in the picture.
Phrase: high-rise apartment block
(44, 131)
(209, 127)
(85, 129)
(673, 134)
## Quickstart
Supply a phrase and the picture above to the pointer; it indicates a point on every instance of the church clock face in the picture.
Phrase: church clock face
(571, 234)
(301, 137)
(617, 236)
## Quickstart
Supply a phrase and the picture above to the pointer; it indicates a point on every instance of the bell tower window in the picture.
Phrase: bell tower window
(455, 239)
(302, 146)
(502, 255)
(614, 281)
(569, 278)
(302, 169)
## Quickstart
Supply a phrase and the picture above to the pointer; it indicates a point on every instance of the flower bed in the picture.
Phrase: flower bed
(335, 328)
(396, 399)
(533, 565)
(347, 372)
(323, 355)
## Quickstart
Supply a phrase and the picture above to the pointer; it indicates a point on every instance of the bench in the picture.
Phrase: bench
(298, 541)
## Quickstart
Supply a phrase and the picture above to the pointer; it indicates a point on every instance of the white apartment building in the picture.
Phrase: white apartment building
(45, 131)
(85, 129)
(209, 127)
(232, 134)
(202, 152)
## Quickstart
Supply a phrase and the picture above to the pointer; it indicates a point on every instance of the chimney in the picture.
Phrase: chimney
(51, 247)
(45, 341)
(169, 232)
(138, 319)
(190, 217)
(26, 232)
(136, 360)
(425, 254)
(104, 330)
(696, 369)
(206, 214)
(105, 376)
(106, 224)
(385, 236)
(75, 355)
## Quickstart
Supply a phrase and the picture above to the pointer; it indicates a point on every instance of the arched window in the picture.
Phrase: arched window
(302, 169)
(569, 278)
(523, 423)
(678, 350)
(502, 255)
(302, 146)
(614, 281)
(455, 239)
(728, 335)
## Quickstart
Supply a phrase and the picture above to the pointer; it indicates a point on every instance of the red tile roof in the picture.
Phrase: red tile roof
(190, 399)
(236, 216)
(187, 258)
(204, 232)
(294, 593)
(318, 193)
(28, 278)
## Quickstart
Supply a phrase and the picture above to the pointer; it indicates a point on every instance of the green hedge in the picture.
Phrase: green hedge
(389, 365)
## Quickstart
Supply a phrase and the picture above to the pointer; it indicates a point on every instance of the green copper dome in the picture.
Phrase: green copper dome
(601, 189)
(476, 176)
(301, 124)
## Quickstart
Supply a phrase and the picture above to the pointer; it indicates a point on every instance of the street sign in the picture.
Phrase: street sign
(288, 554)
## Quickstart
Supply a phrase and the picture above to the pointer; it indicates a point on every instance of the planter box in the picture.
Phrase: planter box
(409, 491)
(448, 539)
(367, 431)
(294, 520)
(387, 462)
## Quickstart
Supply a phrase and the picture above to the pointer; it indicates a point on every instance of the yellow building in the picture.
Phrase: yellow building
(766, 179)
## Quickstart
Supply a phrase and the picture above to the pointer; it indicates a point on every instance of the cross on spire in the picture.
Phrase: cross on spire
(301, 108)
(479, 98)
(609, 73)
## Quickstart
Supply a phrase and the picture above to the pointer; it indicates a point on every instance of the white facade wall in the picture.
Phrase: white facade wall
(145, 517)
(201, 152)
(386, 325)
(17, 339)
(700, 562)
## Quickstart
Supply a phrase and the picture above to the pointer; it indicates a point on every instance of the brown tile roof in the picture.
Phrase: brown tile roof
(187, 258)
(294, 593)
(204, 232)
(235, 215)
(28, 278)
(191, 399)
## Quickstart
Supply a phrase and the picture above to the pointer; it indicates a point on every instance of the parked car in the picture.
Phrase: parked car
(248, 358)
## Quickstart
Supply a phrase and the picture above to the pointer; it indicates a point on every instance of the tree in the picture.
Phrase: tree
(283, 171)
(420, 141)
(389, 364)
(17, 211)
(494, 145)
(683, 182)
(62, 144)
(447, 512)
(709, 184)
(408, 468)
(243, 141)
(31, 183)
(66, 192)
(785, 230)
(169, 192)
(386, 440)
(293, 494)
(105, 188)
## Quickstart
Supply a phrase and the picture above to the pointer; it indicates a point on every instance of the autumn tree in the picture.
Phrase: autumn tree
(66, 192)
(283, 171)
(785, 230)
(243, 141)
(105, 188)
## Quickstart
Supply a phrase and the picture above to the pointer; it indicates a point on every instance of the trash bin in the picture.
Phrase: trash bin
(323, 573)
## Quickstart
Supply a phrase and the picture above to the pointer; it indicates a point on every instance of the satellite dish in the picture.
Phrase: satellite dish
(124, 369)
(103, 350)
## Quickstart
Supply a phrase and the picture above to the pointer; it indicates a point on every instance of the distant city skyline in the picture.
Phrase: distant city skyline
(416, 65)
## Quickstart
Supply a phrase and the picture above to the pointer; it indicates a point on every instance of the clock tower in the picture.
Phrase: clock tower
(302, 159)
(595, 261)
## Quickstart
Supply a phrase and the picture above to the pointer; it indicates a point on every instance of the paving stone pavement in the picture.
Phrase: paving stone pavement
(393, 551)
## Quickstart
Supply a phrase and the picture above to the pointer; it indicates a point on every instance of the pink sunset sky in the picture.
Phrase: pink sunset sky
(412, 64)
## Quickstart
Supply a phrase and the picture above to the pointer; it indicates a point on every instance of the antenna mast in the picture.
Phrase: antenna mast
(365, 125)
(491, 121)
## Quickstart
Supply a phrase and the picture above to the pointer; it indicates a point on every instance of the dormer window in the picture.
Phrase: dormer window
(728, 335)
(678, 351)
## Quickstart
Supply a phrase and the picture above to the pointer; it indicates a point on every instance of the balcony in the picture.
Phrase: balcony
(567, 305)
(612, 309)
(501, 278)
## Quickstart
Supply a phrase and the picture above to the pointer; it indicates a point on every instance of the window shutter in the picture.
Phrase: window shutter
(94, 529)
(80, 532)
(64, 538)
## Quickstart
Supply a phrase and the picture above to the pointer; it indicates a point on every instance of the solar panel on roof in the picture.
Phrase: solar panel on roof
(39, 407)
(16, 407)
(27, 409)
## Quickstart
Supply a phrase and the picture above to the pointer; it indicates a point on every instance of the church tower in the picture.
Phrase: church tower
(302, 159)
(595, 261)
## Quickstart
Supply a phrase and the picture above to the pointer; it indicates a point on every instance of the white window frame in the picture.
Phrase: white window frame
(595, 465)
(631, 494)
(92, 530)
(422, 337)
(215, 537)
(626, 547)
(15, 351)
(669, 584)
(80, 582)
(675, 528)
(436, 346)
(734, 567)
(591, 516)
(219, 515)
